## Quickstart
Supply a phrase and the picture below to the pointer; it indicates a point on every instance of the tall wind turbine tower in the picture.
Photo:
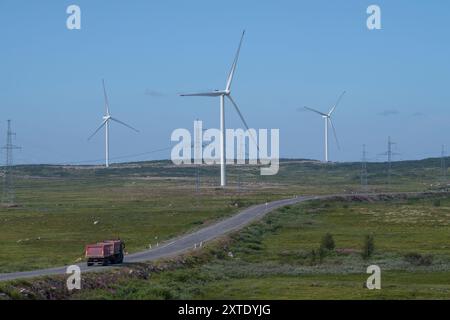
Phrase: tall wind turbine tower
(222, 94)
(107, 118)
(328, 121)
(8, 184)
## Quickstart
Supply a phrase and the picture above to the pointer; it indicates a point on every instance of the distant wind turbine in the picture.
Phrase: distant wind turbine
(222, 94)
(327, 117)
(106, 119)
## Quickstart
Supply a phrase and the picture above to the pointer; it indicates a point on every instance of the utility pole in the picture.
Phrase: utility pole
(8, 187)
(443, 167)
(364, 169)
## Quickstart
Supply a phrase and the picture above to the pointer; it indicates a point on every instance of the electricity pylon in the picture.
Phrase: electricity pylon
(443, 167)
(364, 169)
(198, 152)
(389, 153)
(8, 183)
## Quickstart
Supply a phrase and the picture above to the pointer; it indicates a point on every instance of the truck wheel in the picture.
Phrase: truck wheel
(90, 264)
(105, 262)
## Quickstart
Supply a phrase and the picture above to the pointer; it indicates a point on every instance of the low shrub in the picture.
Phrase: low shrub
(418, 259)
(368, 246)
(327, 242)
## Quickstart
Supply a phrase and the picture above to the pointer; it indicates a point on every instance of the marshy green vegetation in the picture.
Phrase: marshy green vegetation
(60, 209)
(280, 257)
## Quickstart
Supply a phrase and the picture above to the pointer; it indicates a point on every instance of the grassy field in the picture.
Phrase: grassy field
(279, 257)
(61, 208)
(57, 217)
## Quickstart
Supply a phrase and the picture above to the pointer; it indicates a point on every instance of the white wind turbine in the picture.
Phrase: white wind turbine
(327, 117)
(106, 119)
(222, 94)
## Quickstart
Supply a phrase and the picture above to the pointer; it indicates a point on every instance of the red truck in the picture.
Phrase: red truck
(105, 252)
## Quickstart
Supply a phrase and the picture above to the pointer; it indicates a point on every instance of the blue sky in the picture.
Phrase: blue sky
(295, 53)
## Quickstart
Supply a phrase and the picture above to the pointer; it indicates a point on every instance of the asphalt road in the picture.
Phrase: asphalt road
(177, 245)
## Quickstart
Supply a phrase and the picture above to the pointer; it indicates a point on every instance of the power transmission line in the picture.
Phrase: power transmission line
(119, 157)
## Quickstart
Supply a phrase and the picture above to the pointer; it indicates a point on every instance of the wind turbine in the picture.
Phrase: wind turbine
(105, 123)
(327, 118)
(222, 94)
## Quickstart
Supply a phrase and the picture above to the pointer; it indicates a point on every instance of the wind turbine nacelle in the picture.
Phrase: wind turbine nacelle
(224, 92)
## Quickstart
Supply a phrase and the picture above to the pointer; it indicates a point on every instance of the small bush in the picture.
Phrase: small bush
(437, 203)
(322, 252)
(254, 246)
(238, 203)
(418, 259)
(327, 242)
(368, 246)
(313, 256)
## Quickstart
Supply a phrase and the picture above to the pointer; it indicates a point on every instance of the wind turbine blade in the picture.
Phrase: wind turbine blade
(334, 133)
(233, 66)
(337, 102)
(243, 120)
(124, 124)
(98, 129)
(313, 110)
(202, 94)
(106, 97)
(238, 111)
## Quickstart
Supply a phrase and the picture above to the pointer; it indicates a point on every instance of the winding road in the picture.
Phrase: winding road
(192, 240)
(180, 244)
